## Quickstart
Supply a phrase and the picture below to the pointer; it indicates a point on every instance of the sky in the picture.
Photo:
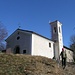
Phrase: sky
(34, 15)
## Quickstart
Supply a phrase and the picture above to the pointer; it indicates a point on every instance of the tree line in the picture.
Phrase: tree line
(72, 45)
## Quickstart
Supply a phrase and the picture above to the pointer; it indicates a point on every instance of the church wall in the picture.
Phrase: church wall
(42, 46)
(24, 42)
(69, 55)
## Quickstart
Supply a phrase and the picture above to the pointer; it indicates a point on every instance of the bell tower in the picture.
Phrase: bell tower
(56, 36)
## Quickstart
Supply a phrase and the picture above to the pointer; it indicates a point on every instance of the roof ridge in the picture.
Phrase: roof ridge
(35, 33)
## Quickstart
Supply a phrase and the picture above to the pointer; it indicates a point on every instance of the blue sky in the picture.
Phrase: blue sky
(34, 15)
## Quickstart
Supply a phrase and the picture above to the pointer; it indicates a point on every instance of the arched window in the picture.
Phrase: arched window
(59, 29)
(49, 44)
(55, 29)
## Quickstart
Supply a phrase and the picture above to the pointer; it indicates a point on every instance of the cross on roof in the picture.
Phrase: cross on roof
(19, 25)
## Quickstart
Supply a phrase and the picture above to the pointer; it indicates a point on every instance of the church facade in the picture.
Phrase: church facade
(29, 42)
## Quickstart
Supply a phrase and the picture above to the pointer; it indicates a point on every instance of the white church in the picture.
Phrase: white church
(32, 43)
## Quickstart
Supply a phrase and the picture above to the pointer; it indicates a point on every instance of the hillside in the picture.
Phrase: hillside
(11, 64)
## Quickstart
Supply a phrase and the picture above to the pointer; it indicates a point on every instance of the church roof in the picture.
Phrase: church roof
(68, 48)
(32, 32)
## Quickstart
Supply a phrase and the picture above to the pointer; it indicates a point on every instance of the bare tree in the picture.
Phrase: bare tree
(72, 45)
(3, 34)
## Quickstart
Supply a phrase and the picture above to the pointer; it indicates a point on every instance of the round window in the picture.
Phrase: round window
(18, 37)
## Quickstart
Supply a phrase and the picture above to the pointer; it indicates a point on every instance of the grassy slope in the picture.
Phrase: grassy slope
(11, 64)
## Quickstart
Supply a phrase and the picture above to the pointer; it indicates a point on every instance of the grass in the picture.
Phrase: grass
(19, 64)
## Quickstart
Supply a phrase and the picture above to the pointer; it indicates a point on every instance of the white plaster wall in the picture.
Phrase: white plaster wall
(40, 46)
(69, 55)
(56, 50)
(24, 42)
(60, 37)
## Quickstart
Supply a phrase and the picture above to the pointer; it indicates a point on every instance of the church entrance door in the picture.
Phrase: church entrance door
(17, 50)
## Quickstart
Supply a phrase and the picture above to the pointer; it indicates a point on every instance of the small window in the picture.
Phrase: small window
(49, 44)
(18, 37)
(24, 51)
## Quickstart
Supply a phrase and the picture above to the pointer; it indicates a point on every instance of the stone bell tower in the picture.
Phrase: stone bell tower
(56, 32)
